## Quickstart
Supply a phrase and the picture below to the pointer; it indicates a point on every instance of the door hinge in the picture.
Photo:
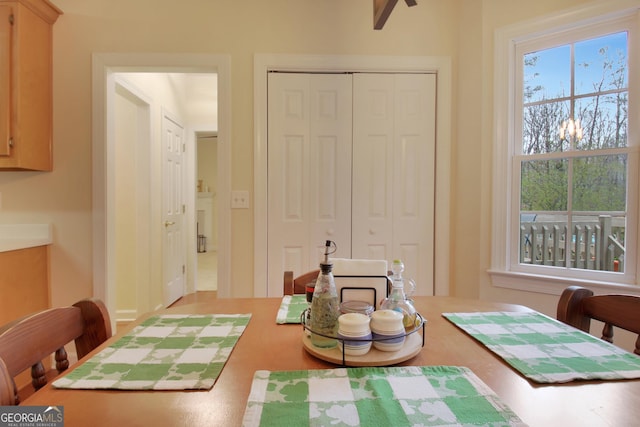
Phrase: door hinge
(184, 148)
(11, 142)
(183, 269)
(184, 208)
(11, 19)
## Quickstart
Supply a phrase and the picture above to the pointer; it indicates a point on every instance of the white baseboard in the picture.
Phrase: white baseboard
(126, 315)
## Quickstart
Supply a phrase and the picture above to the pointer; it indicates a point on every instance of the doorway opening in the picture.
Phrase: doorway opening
(108, 69)
(207, 210)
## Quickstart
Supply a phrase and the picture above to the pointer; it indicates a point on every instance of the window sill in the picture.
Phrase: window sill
(554, 285)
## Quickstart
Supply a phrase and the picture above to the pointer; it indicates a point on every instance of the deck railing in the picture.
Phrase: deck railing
(593, 245)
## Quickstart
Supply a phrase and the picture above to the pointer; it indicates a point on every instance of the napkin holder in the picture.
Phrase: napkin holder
(361, 280)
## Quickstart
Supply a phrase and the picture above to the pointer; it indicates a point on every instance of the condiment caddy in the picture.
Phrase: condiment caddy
(352, 331)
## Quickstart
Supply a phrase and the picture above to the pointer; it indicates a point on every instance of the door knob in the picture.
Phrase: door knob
(168, 223)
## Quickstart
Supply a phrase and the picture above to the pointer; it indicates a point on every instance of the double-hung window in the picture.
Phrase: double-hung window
(567, 127)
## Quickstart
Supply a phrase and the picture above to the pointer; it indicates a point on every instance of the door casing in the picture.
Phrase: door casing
(104, 67)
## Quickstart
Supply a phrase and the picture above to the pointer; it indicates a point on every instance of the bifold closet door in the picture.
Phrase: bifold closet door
(351, 159)
(309, 170)
(393, 177)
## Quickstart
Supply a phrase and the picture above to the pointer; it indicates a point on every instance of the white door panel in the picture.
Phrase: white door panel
(373, 165)
(309, 118)
(330, 165)
(415, 177)
(393, 197)
(173, 202)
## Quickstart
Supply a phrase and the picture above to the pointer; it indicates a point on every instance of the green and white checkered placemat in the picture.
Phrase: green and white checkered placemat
(546, 350)
(291, 308)
(392, 396)
(168, 352)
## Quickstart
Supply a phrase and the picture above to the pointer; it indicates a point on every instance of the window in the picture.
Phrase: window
(565, 136)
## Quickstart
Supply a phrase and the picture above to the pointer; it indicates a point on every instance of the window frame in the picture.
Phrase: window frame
(510, 43)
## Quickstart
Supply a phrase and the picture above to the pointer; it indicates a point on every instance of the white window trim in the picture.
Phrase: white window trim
(505, 41)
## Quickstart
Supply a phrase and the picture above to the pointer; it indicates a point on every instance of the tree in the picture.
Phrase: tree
(598, 182)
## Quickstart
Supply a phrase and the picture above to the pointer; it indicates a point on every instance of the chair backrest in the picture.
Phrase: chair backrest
(578, 305)
(7, 392)
(25, 342)
(371, 276)
(299, 284)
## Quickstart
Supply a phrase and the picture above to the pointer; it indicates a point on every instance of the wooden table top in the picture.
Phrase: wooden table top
(266, 345)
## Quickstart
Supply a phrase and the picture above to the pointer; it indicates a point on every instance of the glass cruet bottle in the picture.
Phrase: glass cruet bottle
(325, 305)
(397, 299)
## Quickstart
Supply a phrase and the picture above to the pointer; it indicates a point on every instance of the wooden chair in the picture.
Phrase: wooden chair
(298, 285)
(7, 392)
(25, 342)
(578, 305)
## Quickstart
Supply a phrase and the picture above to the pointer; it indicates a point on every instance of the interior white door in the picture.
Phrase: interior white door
(309, 171)
(394, 171)
(173, 249)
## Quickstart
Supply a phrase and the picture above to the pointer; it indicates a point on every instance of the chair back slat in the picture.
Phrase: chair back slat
(96, 323)
(578, 305)
(26, 342)
(37, 336)
(298, 285)
(622, 311)
(8, 394)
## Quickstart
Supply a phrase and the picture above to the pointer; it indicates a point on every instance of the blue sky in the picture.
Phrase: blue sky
(553, 66)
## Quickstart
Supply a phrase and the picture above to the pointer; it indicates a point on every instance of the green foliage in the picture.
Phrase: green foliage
(599, 184)
(544, 185)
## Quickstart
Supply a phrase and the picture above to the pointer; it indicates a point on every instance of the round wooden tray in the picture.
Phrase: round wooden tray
(412, 346)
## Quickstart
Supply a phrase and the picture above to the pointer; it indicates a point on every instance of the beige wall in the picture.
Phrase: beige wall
(460, 29)
(207, 159)
(207, 172)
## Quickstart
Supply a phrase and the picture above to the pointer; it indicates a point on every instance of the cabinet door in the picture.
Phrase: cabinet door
(27, 61)
(5, 79)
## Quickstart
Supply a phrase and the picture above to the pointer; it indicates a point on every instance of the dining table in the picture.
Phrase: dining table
(267, 345)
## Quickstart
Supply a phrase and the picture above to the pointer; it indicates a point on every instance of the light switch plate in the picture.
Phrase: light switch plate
(240, 199)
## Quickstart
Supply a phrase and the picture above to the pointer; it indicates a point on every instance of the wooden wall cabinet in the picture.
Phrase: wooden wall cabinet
(26, 88)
